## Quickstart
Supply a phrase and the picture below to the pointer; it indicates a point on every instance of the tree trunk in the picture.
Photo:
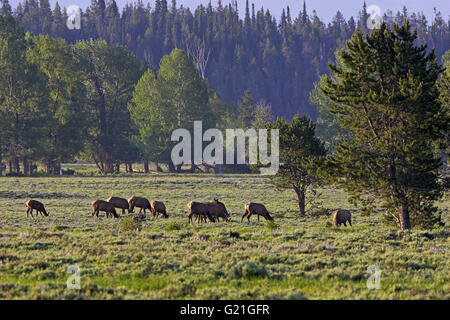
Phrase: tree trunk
(16, 165)
(16, 140)
(30, 166)
(10, 167)
(25, 166)
(47, 167)
(405, 223)
(301, 200)
(130, 167)
(56, 167)
(146, 169)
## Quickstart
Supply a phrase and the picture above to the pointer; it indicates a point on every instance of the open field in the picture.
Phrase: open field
(169, 259)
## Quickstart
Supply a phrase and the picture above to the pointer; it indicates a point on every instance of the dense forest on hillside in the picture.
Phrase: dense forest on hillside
(277, 59)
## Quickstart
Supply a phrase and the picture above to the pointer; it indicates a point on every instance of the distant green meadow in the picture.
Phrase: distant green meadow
(125, 258)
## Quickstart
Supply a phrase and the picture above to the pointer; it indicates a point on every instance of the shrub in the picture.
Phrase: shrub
(173, 226)
(129, 224)
(270, 225)
(233, 234)
(248, 270)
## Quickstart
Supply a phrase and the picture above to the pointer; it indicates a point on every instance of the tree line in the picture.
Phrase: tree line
(97, 102)
(277, 59)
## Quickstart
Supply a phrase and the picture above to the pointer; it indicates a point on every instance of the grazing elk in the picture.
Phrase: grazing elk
(139, 202)
(341, 217)
(217, 210)
(200, 210)
(36, 205)
(158, 207)
(256, 208)
(105, 206)
(119, 203)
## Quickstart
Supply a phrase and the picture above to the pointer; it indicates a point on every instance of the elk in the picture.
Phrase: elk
(36, 205)
(139, 202)
(256, 208)
(218, 210)
(119, 203)
(107, 207)
(158, 207)
(200, 210)
(341, 217)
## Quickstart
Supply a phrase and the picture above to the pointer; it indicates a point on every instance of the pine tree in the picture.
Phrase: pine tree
(385, 95)
(300, 155)
(246, 109)
(6, 8)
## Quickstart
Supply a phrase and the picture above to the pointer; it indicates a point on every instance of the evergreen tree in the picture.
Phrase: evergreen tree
(246, 109)
(6, 8)
(385, 95)
(300, 154)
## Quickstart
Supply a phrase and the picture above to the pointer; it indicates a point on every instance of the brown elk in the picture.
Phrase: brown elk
(107, 207)
(119, 203)
(36, 205)
(341, 217)
(218, 210)
(258, 209)
(199, 210)
(158, 207)
(139, 202)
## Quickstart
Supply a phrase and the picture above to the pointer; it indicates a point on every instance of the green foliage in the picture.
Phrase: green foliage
(246, 109)
(173, 98)
(271, 225)
(130, 224)
(110, 74)
(300, 156)
(328, 129)
(63, 131)
(393, 115)
(23, 97)
(248, 270)
(234, 234)
(173, 226)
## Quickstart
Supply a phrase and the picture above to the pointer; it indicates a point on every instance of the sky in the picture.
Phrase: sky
(325, 9)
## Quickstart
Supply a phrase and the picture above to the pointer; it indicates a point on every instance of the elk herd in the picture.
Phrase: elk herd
(211, 211)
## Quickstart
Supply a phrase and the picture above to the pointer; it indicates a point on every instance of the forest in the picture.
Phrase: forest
(273, 69)
(278, 59)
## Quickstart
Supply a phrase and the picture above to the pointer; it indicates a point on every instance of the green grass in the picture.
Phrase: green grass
(170, 259)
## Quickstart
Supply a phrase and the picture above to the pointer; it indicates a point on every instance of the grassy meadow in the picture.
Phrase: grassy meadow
(169, 259)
